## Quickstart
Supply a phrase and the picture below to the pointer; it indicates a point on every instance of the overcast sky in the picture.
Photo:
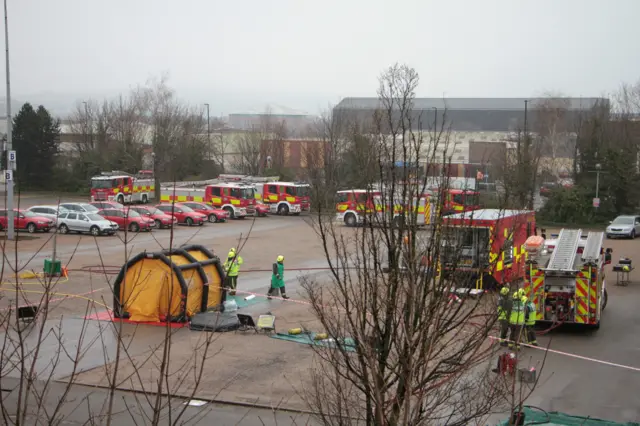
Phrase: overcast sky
(305, 54)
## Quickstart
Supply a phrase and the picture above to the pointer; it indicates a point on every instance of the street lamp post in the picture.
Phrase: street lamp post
(10, 164)
(597, 171)
(208, 131)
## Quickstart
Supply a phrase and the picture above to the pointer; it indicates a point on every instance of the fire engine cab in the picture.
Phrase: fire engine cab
(122, 187)
(236, 199)
(488, 245)
(565, 277)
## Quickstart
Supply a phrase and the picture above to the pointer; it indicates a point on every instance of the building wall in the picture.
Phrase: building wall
(295, 154)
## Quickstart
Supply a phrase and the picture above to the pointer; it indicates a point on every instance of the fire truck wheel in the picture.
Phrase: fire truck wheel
(283, 209)
(189, 221)
(134, 227)
(230, 211)
(213, 218)
(95, 231)
(63, 229)
(350, 219)
(120, 199)
(606, 299)
(145, 199)
(31, 228)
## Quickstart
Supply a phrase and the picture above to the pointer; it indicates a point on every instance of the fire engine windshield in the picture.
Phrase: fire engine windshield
(244, 193)
(466, 246)
(469, 199)
(103, 183)
(303, 191)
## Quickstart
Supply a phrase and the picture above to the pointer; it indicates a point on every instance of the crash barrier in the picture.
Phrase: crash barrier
(171, 285)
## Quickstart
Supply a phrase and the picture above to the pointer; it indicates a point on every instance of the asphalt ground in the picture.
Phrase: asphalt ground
(567, 381)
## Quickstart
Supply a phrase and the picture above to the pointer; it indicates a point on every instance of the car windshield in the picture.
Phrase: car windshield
(623, 220)
(186, 209)
(89, 208)
(205, 207)
(103, 183)
(28, 213)
(94, 217)
(153, 210)
(133, 213)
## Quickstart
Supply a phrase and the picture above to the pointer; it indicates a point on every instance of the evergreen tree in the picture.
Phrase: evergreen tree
(35, 138)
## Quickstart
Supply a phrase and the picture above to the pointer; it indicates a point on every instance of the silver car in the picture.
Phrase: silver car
(90, 223)
(51, 212)
(624, 226)
(80, 207)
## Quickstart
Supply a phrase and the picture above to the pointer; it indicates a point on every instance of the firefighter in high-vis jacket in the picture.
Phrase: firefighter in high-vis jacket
(504, 311)
(277, 279)
(516, 320)
(231, 268)
(530, 321)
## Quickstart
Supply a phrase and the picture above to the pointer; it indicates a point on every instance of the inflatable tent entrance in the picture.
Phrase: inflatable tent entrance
(169, 285)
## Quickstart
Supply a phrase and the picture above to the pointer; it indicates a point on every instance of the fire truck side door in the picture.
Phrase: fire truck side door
(225, 195)
(272, 191)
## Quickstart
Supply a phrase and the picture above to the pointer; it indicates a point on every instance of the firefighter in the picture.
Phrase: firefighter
(530, 321)
(231, 268)
(504, 311)
(277, 278)
(516, 321)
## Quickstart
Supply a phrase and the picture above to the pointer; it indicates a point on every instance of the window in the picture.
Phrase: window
(62, 216)
(72, 216)
(103, 183)
(50, 211)
(3, 213)
(82, 217)
(215, 191)
(529, 229)
(290, 190)
(507, 249)
(458, 198)
(272, 189)
(361, 197)
(342, 197)
(37, 210)
(164, 208)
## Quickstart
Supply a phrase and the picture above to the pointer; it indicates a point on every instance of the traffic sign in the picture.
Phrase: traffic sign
(8, 175)
(596, 202)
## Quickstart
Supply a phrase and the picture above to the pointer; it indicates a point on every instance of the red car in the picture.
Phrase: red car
(261, 210)
(26, 220)
(101, 205)
(128, 219)
(214, 215)
(162, 219)
(183, 213)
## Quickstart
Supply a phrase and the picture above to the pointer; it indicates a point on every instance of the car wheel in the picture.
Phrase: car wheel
(63, 229)
(632, 235)
(31, 228)
(283, 209)
(158, 223)
(95, 231)
(230, 211)
(213, 218)
(189, 221)
(134, 227)
(608, 236)
(350, 220)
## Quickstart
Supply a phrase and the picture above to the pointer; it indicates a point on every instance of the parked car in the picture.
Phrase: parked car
(624, 226)
(80, 207)
(128, 219)
(51, 212)
(547, 187)
(91, 223)
(162, 219)
(212, 214)
(262, 210)
(101, 205)
(184, 214)
(26, 220)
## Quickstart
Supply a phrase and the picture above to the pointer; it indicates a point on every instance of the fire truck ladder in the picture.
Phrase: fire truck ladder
(195, 183)
(566, 250)
(593, 247)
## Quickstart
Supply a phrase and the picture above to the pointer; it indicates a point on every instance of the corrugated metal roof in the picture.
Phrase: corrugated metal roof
(470, 103)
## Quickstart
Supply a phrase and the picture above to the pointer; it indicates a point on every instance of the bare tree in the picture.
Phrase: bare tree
(261, 148)
(414, 357)
(552, 126)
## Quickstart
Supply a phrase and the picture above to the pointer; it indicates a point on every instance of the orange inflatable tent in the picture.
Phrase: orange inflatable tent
(169, 285)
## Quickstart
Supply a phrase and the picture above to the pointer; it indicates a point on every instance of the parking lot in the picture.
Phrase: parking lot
(593, 373)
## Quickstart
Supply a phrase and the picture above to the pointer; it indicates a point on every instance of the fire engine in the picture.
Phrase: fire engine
(237, 199)
(565, 278)
(281, 197)
(122, 187)
(489, 244)
(460, 200)
(354, 205)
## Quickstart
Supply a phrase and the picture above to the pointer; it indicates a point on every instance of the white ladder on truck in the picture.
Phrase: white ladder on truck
(593, 247)
(565, 251)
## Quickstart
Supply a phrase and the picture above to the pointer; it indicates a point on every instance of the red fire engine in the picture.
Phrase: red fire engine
(282, 198)
(237, 199)
(487, 243)
(122, 187)
(460, 200)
